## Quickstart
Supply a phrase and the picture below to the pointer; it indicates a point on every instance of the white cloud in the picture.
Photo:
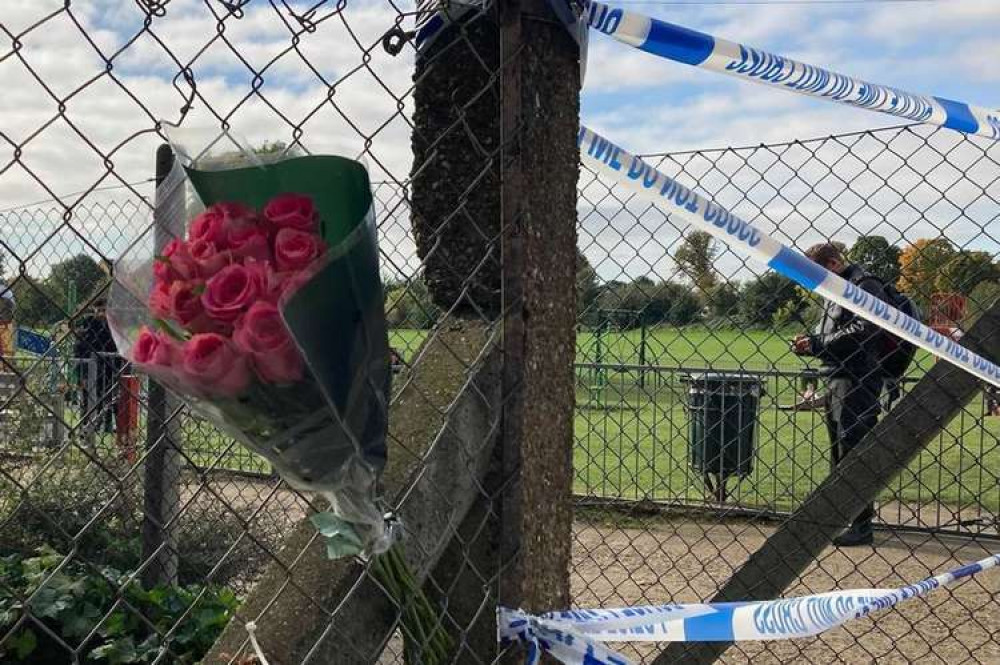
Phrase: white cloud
(349, 104)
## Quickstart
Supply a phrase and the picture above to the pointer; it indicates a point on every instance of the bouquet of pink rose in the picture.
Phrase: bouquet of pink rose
(265, 312)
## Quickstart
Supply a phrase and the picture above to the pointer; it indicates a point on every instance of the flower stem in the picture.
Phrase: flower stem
(426, 640)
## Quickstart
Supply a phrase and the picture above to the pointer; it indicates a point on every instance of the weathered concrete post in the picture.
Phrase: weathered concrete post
(541, 121)
(494, 214)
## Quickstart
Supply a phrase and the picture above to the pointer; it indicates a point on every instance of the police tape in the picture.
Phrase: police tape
(695, 48)
(576, 637)
(631, 172)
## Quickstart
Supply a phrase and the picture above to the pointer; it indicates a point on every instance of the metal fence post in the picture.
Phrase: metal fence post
(162, 464)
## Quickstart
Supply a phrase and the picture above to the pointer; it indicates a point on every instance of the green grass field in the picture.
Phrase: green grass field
(632, 442)
(632, 439)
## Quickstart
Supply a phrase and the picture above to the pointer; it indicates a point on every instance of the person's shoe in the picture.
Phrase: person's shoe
(856, 536)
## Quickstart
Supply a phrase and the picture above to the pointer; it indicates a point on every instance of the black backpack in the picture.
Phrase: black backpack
(895, 354)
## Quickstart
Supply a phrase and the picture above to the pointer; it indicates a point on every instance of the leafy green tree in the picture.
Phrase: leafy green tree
(586, 285)
(878, 256)
(965, 271)
(981, 299)
(80, 274)
(762, 298)
(649, 303)
(696, 257)
(803, 310)
(723, 300)
(409, 305)
(35, 306)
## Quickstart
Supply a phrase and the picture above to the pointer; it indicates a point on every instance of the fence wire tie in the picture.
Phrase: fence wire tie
(395, 39)
(251, 627)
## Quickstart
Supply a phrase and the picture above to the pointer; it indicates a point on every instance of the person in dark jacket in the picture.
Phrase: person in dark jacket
(95, 344)
(847, 346)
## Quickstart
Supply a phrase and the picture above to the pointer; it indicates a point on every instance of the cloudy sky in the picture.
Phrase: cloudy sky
(83, 88)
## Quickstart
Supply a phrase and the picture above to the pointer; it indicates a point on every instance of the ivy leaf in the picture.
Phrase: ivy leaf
(78, 625)
(24, 643)
(119, 652)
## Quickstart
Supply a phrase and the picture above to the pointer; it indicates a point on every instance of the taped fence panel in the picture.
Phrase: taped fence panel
(575, 636)
(633, 173)
(699, 49)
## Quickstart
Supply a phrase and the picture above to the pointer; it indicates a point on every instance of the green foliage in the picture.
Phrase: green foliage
(71, 599)
(723, 301)
(804, 309)
(83, 505)
(81, 274)
(980, 300)
(762, 298)
(69, 284)
(920, 265)
(409, 305)
(644, 302)
(586, 285)
(877, 256)
(696, 257)
(965, 271)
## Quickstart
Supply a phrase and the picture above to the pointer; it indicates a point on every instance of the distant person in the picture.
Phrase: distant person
(7, 310)
(848, 347)
(95, 345)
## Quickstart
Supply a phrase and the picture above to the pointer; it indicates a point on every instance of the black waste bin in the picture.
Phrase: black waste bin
(723, 409)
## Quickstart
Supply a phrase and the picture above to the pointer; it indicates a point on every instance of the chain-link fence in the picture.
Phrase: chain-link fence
(134, 531)
(681, 345)
(700, 432)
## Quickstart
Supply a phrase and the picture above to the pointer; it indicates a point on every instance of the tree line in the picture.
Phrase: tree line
(923, 269)
(43, 301)
(700, 293)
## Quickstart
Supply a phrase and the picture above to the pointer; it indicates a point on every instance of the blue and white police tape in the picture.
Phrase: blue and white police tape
(631, 172)
(576, 637)
(695, 48)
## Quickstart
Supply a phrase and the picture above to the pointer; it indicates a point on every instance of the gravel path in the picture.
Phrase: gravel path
(687, 561)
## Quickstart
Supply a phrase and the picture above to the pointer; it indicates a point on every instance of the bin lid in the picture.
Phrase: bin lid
(724, 383)
(730, 378)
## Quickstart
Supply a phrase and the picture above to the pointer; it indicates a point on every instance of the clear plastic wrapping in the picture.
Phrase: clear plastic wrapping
(257, 298)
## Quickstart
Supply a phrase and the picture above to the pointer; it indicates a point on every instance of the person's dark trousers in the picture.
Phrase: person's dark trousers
(852, 411)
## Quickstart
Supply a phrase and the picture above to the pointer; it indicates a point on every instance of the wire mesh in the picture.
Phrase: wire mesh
(104, 563)
(656, 308)
(661, 307)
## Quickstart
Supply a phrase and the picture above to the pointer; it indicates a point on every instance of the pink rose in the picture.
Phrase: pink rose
(187, 309)
(156, 349)
(217, 222)
(250, 243)
(238, 221)
(262, 335)
(176, 262)
(230, 292)
(159, 300)
(207, 226)
(208, 257)
(212, 364)
(292, 211)
(294, 250)
(269, 282)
